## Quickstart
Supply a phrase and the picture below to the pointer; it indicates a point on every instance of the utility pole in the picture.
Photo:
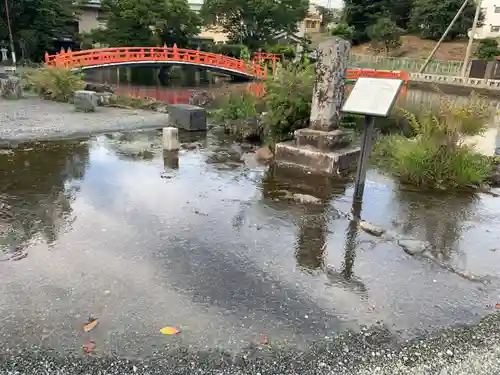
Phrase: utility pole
(12, 50)
(465, 64)
(431, 55)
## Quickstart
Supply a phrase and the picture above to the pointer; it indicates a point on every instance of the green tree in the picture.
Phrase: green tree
(430, 18)
(36, 24)
(487, 49)
(147, 23)
(361, 14)
(385, 34)
(178, 23)
(254, 22)
(344, 31)
(327, 15)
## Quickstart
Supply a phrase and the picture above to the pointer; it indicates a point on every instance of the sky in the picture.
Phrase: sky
(334, 3)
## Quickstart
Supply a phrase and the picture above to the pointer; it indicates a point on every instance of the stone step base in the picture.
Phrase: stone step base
(332, 163)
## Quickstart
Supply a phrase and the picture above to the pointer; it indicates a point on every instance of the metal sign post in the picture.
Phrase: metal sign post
(370, 97)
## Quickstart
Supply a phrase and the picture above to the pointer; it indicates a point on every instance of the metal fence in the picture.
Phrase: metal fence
(406, 64)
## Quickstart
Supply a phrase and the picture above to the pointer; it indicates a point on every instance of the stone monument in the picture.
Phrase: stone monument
(323, 148)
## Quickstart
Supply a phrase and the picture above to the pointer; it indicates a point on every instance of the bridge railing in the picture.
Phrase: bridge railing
(107, 56)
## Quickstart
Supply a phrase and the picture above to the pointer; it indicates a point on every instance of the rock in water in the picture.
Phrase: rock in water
(371, 229)
(85, 101)
(264, 155)
(306, 199)
(10, 87)
(414, 247)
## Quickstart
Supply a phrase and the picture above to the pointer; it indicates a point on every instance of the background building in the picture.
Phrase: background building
(491, 23)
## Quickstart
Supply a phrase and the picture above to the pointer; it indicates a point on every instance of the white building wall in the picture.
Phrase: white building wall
(491, 27)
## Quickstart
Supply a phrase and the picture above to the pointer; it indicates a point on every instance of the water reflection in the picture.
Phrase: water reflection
(37, 186)
(442, 229)
(312, 230)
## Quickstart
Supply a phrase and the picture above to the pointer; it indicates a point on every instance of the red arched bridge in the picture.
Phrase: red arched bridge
(108, 57)
(256, 69)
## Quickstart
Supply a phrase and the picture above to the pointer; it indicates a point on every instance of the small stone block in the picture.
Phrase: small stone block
(188, 117)
(85, 101)
(322, 140)
(331, 163)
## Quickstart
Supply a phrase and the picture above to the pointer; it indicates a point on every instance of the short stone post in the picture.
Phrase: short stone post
(171, 139)
(324, 148)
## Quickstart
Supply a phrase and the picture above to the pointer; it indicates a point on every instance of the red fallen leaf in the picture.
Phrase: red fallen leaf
(88, 348)
(264, 340)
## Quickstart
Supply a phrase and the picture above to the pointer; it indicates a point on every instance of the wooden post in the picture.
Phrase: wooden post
(328, 94)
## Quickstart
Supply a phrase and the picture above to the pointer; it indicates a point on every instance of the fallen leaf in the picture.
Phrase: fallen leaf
(90, 326)
(497, 306)
(88, 348)
(169, 331)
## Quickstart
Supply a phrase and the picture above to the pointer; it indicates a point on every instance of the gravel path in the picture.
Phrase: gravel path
(461, 351)
(33, 119)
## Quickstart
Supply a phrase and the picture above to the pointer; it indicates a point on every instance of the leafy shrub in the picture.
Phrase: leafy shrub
(287, 52)
(437, 157)
(344, 31)
(237, 106)
(232, 50)
(487, 49)
(56, 84)
(288, 97)
(425, 163)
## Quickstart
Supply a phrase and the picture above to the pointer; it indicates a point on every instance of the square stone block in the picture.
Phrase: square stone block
(188, 117)
(85, 101)
(322, 140)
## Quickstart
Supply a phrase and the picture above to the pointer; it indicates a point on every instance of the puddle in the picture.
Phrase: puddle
(116, 229)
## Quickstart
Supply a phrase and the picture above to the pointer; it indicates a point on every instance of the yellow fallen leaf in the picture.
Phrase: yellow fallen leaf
(169, 330)
(90, 326)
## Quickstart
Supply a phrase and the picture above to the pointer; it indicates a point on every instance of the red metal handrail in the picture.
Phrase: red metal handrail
(353, 74)
(106, 56)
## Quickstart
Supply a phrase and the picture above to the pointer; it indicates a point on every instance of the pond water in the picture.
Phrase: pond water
(111, 227)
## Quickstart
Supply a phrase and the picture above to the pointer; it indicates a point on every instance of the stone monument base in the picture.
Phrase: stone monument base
(321, 152)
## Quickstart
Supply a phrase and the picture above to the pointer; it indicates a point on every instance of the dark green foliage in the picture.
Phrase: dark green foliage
(385, 35)
(361, 14)
(487, 49)
(430, 18)
(344, 31)
(147, 23)
(37, 24)
(254, 22)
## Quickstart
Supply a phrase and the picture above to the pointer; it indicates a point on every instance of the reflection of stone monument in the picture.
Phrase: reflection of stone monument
(170, 159)
(312, 231)
(345, 276)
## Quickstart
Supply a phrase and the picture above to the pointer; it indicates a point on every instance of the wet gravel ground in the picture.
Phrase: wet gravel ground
(114, 228)
(471, 350)
(34, 119)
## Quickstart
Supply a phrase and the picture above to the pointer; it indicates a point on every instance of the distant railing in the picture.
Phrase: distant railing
(406, 64)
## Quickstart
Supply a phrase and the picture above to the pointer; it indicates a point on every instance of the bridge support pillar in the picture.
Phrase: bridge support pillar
(323, 148)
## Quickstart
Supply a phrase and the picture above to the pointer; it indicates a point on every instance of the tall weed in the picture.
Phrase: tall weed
(57, 84)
